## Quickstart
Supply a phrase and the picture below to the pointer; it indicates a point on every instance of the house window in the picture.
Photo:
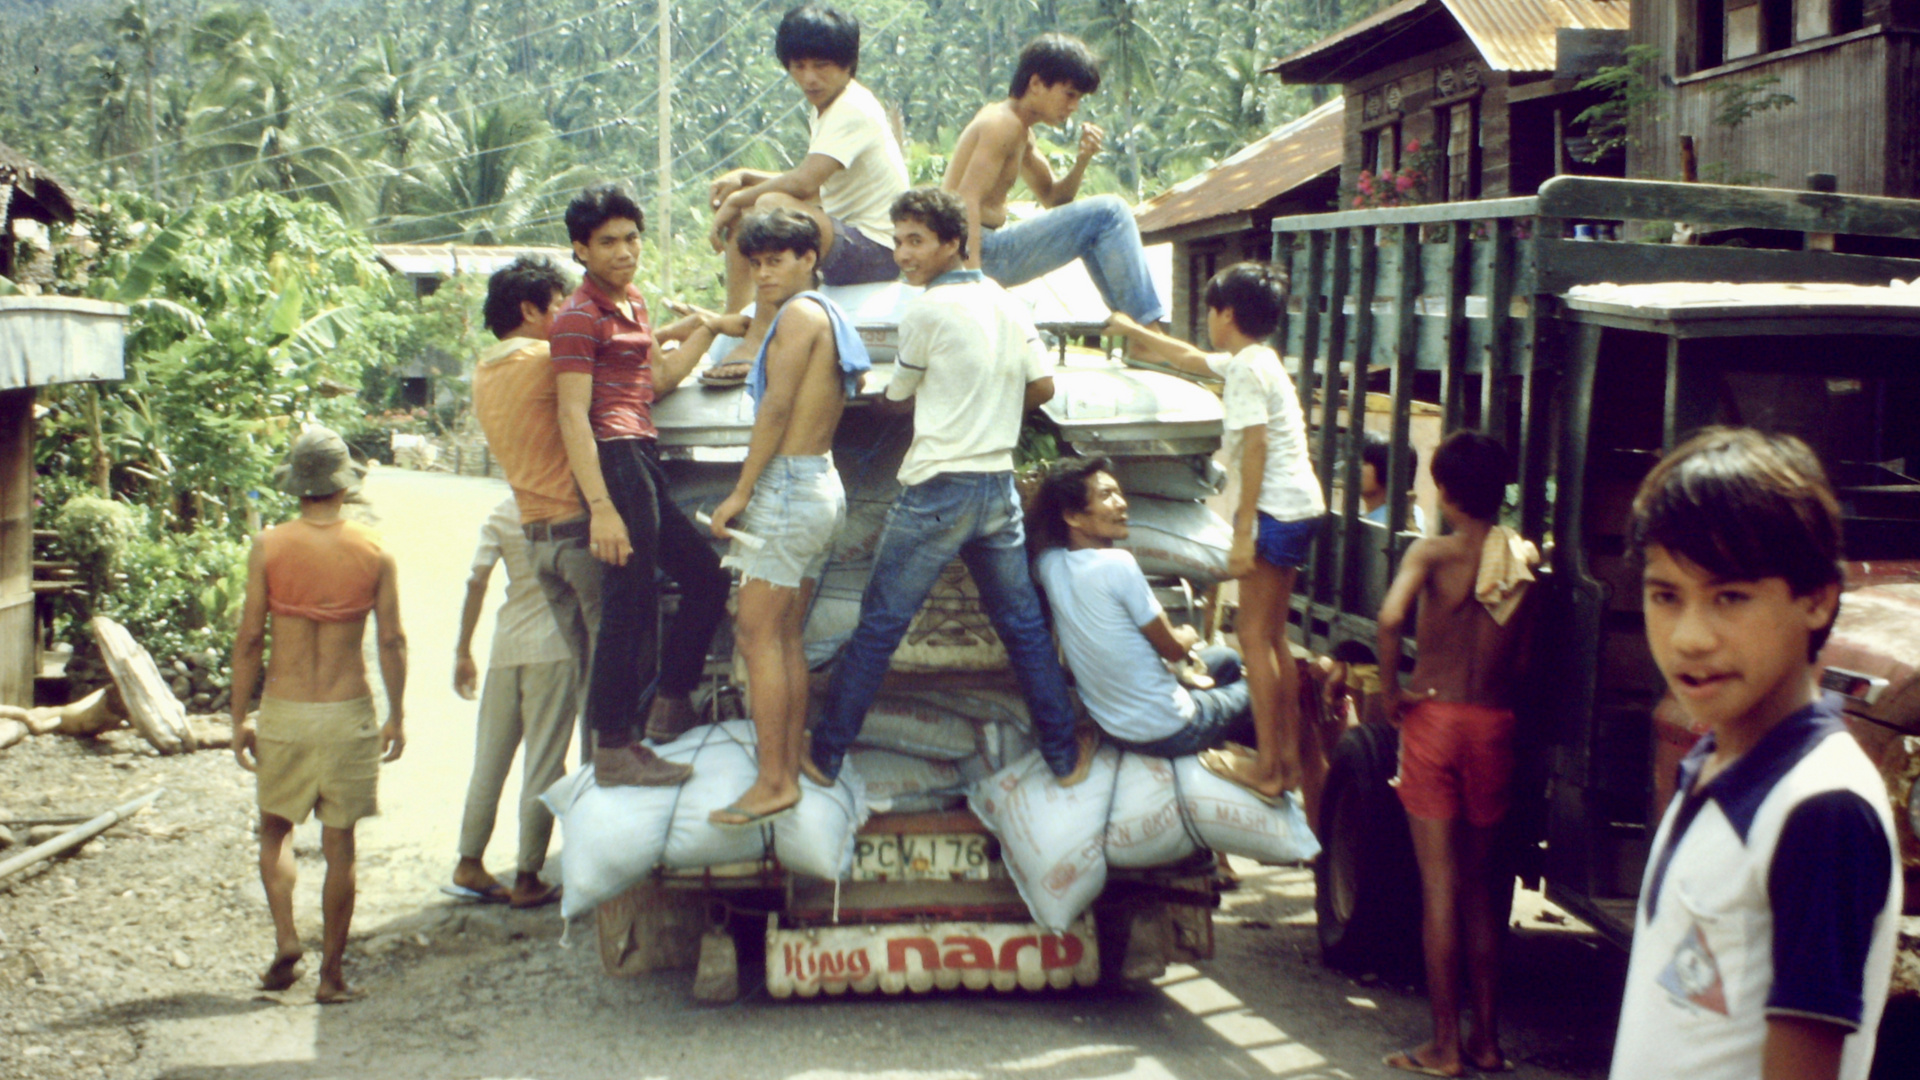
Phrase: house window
(1456, 137)
(1380, 148)
(1734, 29)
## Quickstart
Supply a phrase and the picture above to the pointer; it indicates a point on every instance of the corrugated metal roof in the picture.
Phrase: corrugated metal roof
(47, 199)
(445, 260)
(1266, 169)
(1513, 35)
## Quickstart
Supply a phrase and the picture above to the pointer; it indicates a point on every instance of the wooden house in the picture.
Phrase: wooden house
(1225, 214)
(44, 340)
(1473, 95)
(1851, 66)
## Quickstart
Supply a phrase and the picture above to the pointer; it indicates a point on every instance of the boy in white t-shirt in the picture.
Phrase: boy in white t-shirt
(1276, 518)
(847, 182)
(1763, 942)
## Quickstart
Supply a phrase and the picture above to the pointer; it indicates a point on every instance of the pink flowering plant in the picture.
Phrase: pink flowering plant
(1404, 186)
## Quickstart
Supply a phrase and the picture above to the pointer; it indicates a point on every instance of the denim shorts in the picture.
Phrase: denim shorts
(856, 258)
(797, 508)
(1285, 544)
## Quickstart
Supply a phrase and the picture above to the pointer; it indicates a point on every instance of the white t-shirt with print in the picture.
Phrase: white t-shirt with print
(854, 132)
(1259, 392)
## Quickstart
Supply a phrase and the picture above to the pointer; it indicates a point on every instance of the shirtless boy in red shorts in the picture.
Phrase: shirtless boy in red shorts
(1456, 736)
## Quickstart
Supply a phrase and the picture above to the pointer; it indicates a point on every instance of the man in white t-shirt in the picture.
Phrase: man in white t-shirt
(847, 182)
(531, 697)
(1117, 639)
(973, 363)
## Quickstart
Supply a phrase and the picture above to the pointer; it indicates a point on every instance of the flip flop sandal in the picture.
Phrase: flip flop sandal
(1220, 764)
(713, 376)
(541, 899)
(753, 820)
(498, 894)
(1408, 1063)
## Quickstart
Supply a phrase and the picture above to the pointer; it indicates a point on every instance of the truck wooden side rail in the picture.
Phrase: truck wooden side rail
(1466, 307)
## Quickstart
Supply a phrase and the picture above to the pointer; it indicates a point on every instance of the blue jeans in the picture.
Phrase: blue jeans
(1221, 713)
(1099, 230)
(977, 517)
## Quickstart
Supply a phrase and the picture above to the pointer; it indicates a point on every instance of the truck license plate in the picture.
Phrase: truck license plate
(962, 857)
(919, 957)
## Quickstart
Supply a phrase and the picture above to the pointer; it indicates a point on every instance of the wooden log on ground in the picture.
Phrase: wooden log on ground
(77, 835)
(89, 716)
(155, 712)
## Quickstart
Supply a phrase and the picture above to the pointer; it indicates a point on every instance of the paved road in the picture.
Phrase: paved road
(483, 992)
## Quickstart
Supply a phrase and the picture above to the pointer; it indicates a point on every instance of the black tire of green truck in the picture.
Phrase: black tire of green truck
(1366, 884)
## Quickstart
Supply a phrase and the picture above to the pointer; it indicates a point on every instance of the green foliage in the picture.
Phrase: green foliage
(96, 533)
(1631, 89)
(182, 594)
(1737, 100)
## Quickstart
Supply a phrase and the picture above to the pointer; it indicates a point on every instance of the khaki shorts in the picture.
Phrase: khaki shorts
(318, 758)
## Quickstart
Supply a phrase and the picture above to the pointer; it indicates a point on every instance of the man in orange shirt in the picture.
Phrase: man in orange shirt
(317, 748)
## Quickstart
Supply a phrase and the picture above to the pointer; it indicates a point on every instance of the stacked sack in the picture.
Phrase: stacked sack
(616, 836)
(1131, 812)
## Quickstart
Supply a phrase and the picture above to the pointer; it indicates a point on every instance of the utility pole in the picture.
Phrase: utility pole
(665, 102)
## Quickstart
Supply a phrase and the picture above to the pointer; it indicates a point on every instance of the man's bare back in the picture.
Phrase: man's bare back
(1464, 655)
(1002, 142)
(820, 398)
(316, 661)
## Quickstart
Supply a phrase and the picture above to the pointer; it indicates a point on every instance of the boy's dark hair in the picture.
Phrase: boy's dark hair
(1056, 58)
(1472, 470)
(597, 205)
(531, 279)
(1062, 491)
(1373, 451)
(818, 32)
(1256, 292)
(1744, 505)
(781, 229)
(940, 211)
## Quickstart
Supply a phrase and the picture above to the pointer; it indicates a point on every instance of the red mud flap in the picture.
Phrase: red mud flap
(921, 956)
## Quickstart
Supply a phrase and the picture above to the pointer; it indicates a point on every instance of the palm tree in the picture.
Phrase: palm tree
(1119, 29)
(134, 30)
(246, 125)
(507, 164)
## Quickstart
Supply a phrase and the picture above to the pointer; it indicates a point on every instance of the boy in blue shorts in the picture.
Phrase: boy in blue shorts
(788, 499)
(1764, 938)
(1277, 516)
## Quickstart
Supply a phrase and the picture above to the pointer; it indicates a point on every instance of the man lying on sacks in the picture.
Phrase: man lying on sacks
(1115, 634)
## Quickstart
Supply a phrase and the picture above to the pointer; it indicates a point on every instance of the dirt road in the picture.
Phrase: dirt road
(137, 959)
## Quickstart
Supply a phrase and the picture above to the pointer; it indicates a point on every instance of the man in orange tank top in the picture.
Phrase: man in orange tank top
(318, 746)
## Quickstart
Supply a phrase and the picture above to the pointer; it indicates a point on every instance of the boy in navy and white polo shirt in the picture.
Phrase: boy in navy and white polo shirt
(1765, 934)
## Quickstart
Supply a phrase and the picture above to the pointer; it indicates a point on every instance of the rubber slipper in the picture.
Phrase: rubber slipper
(753, 819)
(494, 894)
(1220, 764)
(345, 997)
(1506, 1066)
(1406, 1062)
(719, 375)
(542, 898)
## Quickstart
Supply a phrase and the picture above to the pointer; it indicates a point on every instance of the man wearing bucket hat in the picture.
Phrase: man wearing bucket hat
(318, 746)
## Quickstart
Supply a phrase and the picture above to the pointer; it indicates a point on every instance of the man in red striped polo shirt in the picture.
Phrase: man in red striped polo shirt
(608, 377)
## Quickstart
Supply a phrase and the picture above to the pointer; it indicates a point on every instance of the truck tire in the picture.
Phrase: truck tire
(1366, 884)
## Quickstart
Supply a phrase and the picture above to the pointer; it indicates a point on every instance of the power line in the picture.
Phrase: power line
(616, 121)
(611, 6)
(355, 136)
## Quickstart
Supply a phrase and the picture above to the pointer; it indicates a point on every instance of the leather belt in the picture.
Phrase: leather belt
(577, 529)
